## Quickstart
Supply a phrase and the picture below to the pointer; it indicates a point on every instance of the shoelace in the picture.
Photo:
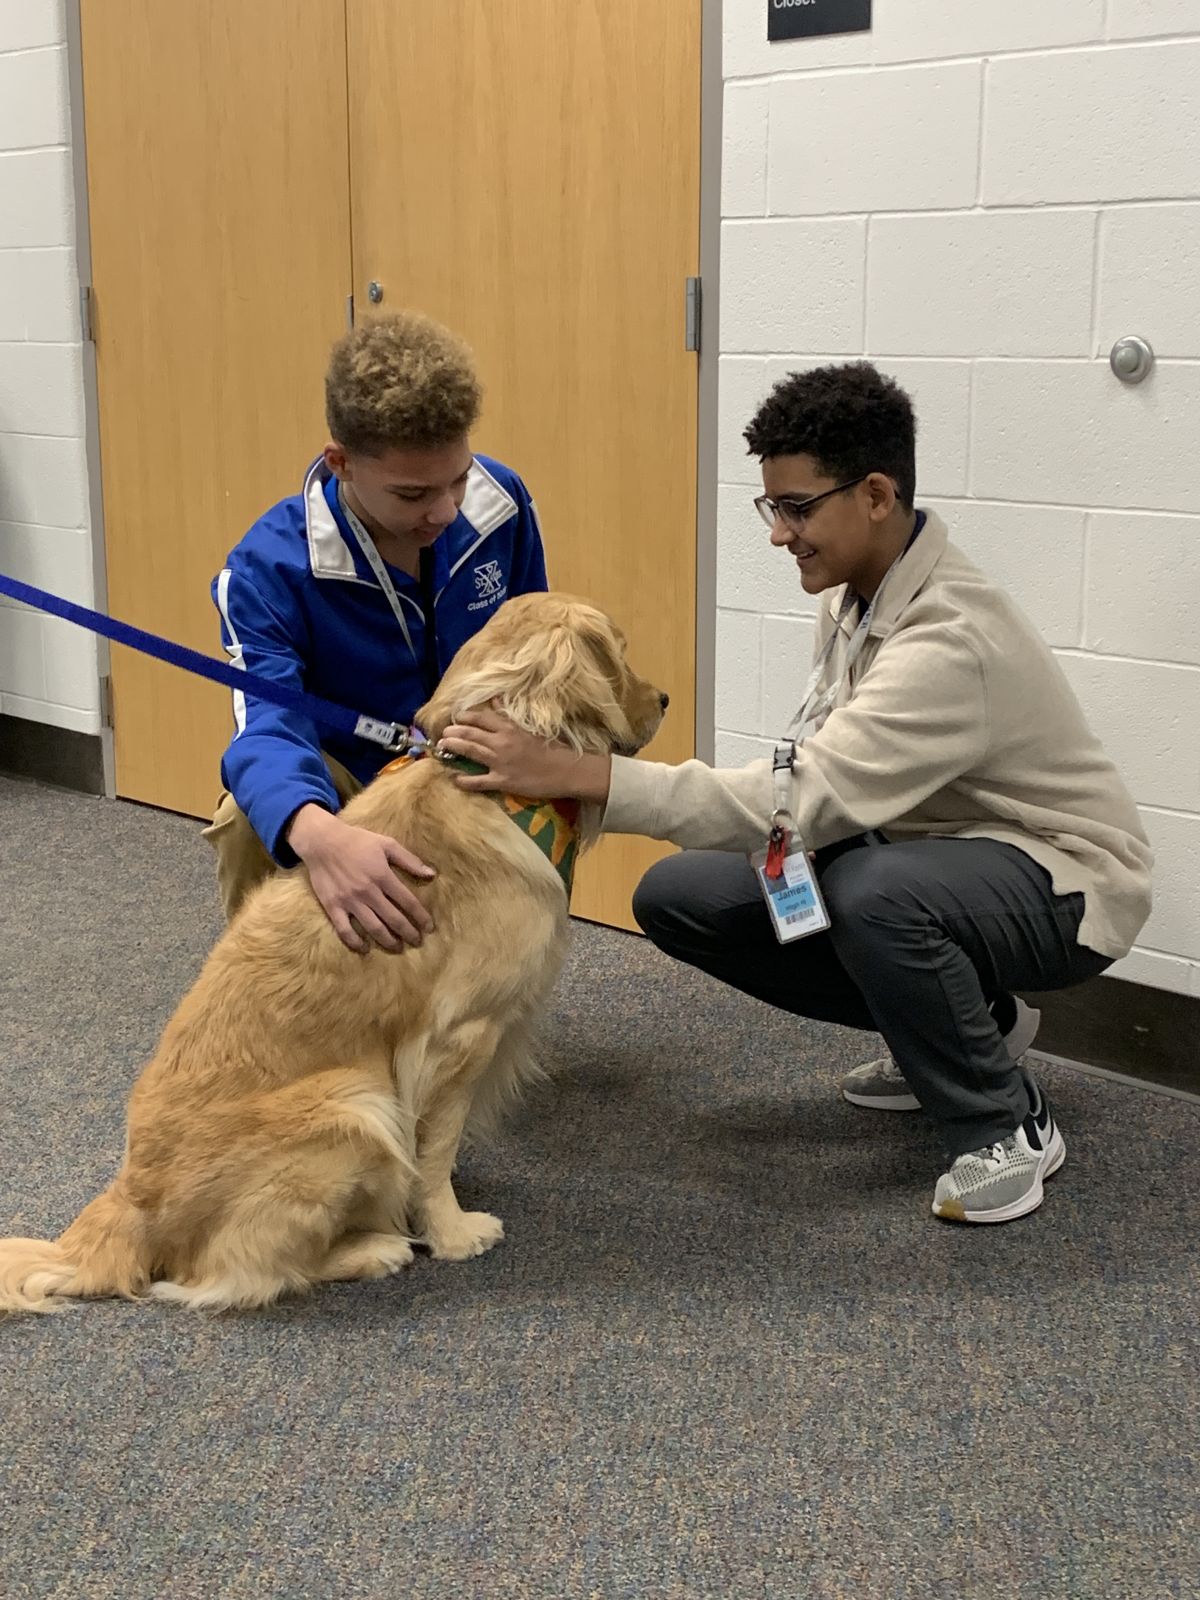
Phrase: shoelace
(992, 1153)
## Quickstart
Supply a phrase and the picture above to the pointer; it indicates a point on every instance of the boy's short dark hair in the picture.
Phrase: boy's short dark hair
(850, 419)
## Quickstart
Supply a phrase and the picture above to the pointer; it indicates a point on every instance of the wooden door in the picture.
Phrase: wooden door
(219, 199)
(527, 171)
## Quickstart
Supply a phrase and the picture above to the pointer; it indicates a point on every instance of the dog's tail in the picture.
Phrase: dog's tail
(103, 1252)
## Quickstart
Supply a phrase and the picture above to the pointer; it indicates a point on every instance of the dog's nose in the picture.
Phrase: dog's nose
(664, 700)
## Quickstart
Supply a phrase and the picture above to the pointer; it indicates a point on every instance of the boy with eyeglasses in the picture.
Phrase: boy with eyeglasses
(969, 836)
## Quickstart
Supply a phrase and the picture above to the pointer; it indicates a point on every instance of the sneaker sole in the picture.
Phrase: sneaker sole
(955, 1211)
(891, 1102)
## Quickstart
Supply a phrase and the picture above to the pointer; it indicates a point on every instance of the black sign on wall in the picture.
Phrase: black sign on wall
(798, 19)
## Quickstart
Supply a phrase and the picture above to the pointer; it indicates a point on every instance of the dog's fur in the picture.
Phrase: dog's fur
(301, 1118)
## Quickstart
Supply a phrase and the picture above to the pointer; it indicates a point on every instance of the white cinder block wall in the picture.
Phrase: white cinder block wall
(48, 669)
(981, 196)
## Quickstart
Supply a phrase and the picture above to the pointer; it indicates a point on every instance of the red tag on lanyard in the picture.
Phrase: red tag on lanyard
(777, 849)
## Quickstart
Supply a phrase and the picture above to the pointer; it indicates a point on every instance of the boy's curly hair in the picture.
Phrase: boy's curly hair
(400, 381)
(850, 419)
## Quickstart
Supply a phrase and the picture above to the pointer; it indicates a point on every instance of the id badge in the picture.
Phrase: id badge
(794, 898)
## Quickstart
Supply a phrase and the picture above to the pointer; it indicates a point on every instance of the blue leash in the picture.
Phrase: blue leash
(393, 736)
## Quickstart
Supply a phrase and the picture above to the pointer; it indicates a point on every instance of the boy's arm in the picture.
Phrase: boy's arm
(273, 765)
(275, 771)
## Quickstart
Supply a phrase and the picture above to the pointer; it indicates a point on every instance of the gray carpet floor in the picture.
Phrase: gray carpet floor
(724, 1351)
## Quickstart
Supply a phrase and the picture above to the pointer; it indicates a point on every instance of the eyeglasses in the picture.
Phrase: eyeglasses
(794, 512)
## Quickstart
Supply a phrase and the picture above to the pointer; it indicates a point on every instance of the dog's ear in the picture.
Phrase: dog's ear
(557, 686)
(556, 682)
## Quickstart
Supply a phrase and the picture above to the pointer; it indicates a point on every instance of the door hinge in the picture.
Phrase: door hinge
(86, 308)
(106, 702)
(349, 311)
(691, 323)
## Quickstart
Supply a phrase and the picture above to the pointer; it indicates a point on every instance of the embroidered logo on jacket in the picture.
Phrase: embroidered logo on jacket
(489, 586)
(488, 578)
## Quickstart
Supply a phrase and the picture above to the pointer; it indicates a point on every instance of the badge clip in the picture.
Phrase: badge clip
(777, 848)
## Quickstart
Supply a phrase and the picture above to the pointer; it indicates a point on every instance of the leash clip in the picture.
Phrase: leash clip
(395, 737)
(412, 742)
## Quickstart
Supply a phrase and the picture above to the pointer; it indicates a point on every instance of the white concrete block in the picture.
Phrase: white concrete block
(1005, 284)
(1092, 125)
(913, 30)
(903, 140)
(752, 575)
(1174, 924)
(46, 711)
(37, 205)
(21, 669)
(43, 482)
(72, 670)
(1142, 19)
(1157, 971)
(780, 368)
(1034, 552)
(1071, 433)
(792, 285)
(1143, 588)
(1146, 717)
(41, 388)
(1149, 268)
(58, 559)
(739, 671)
(743, 385)
(739, 749)
(30, 24)
(39, 296)
(941, 395)
(909, 30)
(33, 99)
(744, 151)
(786, 663)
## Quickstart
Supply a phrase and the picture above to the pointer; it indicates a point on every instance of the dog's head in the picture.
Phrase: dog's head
(556, 666)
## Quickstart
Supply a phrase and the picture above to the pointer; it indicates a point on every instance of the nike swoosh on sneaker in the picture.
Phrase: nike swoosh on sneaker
(1038, 1121)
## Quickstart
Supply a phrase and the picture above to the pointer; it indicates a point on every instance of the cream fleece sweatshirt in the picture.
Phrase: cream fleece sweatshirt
(958, 722)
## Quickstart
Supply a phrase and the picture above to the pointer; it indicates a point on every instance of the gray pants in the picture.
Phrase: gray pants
(927, 937)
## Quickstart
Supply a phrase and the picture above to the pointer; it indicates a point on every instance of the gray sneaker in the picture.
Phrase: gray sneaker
(1004, 1181)
(881, 1086)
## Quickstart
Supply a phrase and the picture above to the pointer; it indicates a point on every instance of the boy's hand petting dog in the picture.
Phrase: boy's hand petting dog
(520, 763)
(353, 875)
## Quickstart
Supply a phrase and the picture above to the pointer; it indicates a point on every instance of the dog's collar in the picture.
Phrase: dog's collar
(553, 825)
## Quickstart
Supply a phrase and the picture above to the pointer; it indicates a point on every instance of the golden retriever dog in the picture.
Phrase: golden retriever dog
(301, 1118)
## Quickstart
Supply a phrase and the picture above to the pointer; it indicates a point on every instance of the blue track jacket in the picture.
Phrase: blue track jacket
(300, 604)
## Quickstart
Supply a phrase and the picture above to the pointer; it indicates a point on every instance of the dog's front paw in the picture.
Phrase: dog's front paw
(468, 1234)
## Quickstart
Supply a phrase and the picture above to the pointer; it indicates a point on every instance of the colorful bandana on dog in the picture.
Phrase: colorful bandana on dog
(553, 825)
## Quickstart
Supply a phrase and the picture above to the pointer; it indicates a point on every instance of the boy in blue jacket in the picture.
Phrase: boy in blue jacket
(361, 589)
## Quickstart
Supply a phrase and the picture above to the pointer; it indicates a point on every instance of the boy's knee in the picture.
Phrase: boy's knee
(242, 858)
(226, 819)
(685, 901)
(869, 887)
(655, 898)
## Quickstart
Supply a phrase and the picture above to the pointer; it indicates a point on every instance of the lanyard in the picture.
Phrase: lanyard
(375, 561)
(817, 702)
